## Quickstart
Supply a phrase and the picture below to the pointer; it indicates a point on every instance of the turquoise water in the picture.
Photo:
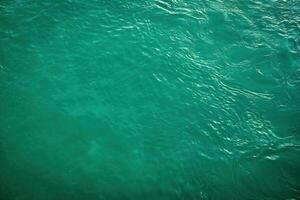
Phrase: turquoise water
(157, 99)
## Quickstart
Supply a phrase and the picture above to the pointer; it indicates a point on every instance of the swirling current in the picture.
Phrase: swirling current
(149, 99)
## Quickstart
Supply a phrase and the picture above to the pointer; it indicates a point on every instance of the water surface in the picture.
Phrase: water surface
(149, 99)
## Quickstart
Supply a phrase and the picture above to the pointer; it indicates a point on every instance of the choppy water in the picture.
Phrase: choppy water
(156, 99)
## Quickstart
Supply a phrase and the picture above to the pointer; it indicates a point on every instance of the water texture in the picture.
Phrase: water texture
(149, 99)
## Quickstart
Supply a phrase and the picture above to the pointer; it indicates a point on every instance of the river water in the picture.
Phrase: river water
(149, 99)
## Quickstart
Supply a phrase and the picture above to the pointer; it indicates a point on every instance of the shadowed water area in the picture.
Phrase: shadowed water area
(149, 99)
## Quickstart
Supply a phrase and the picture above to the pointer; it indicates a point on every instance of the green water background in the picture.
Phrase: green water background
(149, 99)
